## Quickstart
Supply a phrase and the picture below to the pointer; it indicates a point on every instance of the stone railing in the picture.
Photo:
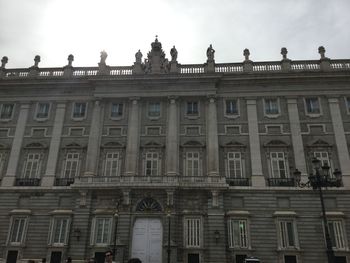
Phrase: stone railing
(190, 69)
(151, 181)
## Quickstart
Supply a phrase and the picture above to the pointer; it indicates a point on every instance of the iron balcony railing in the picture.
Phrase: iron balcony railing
(238, 181)
(27, 181)
(64, 181)
(287, 182)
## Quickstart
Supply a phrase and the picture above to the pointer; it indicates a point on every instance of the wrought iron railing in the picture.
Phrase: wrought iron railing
(27, 181)
(287, 182)
(238, 181)
(64, 181)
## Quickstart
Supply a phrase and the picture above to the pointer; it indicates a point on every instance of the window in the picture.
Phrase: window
(2, 162)
(337, 234)
(192, 164)
(271, 106)
(287, 235)
(111, 164)
(32, 165)
(42, 110)
(154, 109)
(312, 106)
(71, 167)
(324, 158)
(18, 228)
(60, 230)
(117, 110)
(347, 104)
(192, 232)
(238, 233)
(102, 230)
(234, 165)
(152, 164)
(192, 108)
(79, 110)
(6, 111)
(231, 107)
(278, 165)
(290, 259)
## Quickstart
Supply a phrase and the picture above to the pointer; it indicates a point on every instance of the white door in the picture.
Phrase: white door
(147, 240)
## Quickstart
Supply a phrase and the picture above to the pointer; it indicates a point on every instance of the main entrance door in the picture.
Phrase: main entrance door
(147, 240)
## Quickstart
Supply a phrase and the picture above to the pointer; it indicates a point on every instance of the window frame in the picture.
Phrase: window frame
(323, 159)
(284, 158)
(66, 160)
(2, 105)
(38, 162)
(266, 104)
(37, 111)
(231, 233)
(234, 159)
(53, 230)
(341, 227)
(94, 233)
(152, 160)
(229, 114)
(187, 158)
(79, 118)
(306, 107)
(198, 243)
(286, 239)
(119, 116)
(150, 110)
(22, 240)
(107, 159)
(347, 104)
(189, 113)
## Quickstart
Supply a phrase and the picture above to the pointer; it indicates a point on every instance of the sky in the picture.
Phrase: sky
(54, 29)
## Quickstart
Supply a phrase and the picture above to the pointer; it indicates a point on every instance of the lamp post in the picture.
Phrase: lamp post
(169, 221)
(317, 180)
(116, 216)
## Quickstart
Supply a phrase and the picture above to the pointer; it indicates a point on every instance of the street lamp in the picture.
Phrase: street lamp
(317, 180)
(169, 217)
(116, 216)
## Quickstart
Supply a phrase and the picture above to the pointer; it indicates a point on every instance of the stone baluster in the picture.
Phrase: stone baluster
(297, 140)
(94, 140)
(340, 140)
(133, 140)
(51, 167)
(258, 179)
(15, 152)
(172, 139)
(212, 139)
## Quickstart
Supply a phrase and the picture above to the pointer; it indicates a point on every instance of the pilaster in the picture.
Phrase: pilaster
(340, 140)
(94, 140)
(258, 179)
(172, 140)
(212, 139)
(133, 139)
(49, 177)
(10, 176)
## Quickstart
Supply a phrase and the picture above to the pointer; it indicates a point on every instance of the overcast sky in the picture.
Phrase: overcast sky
(54, 29)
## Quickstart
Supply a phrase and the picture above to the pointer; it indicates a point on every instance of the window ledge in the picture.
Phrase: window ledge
(153, 118)
(192, 117)
(272, 116)
(78, 119)
(41, 119)
(313, 115)
(116, 118)
(232, 116)
(5, 120)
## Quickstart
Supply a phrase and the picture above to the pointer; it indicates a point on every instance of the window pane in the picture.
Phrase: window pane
(231, 107)
(6, 111)
(117, 110)
(43, 110)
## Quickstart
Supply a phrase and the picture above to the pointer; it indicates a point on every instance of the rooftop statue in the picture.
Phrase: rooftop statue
(210, 53)
(173, 54)
(103, 57)
(138, 57)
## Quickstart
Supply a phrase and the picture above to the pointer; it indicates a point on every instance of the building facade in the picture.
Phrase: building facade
(160, 159)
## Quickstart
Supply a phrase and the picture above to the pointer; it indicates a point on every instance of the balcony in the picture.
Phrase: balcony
(284, 182)
(238, 181)
(64, 181)
(27, 181)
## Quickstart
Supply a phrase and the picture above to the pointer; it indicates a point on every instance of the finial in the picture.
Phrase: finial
(4, 61)
(70, 60)
(284, 53)
(322, 52)
(36, 61)
(246, 54)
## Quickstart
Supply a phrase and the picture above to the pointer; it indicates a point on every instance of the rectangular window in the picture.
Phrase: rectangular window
(193, 232)
(117, 110)
(71, 167)
(324, 158)
(287, 235)
(154, 109)
(347, 104)
(79, 110)
(152, 164)
(231, 107)
(337, 234)
(192, 108)
(2, 162)
(111, 164)
(192, 163)
(103, 228)
(18, 229)
(60, 231)
(238, 233)
(32, 165)
(42, 111)
(6, 111)
(278, 165)
(290, 259)
(271, 106)
(312, 106)
(234, 163)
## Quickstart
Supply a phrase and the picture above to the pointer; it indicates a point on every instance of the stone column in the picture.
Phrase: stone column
(340, 140)
(172, 140)
(133, 141)
(94, 141)
(297, 140)
(258, 179)
(50, 173)
(212, 139)
(10, 176)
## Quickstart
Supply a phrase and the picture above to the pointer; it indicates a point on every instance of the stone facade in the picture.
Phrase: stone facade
(100, 158)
